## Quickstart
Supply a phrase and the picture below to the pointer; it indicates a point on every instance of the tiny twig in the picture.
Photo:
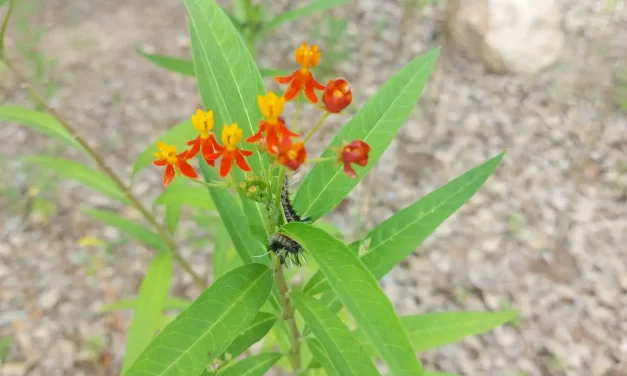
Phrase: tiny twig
(317, 126)
(41, 102)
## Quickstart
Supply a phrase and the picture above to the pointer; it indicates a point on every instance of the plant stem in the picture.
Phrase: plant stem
(163, 233)
(317, 126)
(5, 24)
(287, 313)
(210, 184)
(296, 113)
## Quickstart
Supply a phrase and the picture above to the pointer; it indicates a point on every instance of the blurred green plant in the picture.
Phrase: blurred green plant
(347, 322)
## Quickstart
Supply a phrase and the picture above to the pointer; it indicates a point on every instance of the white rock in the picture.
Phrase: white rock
(49, 299)
(508, 35)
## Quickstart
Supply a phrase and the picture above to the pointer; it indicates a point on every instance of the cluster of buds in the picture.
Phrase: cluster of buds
(274, 136)
(255, 188)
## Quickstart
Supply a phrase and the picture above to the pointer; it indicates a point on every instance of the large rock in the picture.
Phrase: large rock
(517, 36)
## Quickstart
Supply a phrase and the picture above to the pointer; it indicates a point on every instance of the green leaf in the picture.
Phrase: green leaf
(124, 304)
(321, 356)
(432, 330)
(294, 14)
(228, 78)
(172, 217)
(150, 304)
(398, 236)
(184, 67)
(204, 330)
(38, 121)
(220, 251)
(133, 229)
(179, 192)
(76, 171)
(177, 136)
(376, 123)
(439, 374)
(360, 293)
(346, 354)
(260, 326)
(256, 365)
(245, 243)
(229, 83)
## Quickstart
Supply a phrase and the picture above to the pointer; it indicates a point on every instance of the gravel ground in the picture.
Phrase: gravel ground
(545, 235)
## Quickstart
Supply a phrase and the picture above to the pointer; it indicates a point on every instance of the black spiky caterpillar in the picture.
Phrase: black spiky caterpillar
(283, 246)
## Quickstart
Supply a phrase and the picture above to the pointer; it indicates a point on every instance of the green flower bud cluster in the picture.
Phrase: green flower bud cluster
(255, 188)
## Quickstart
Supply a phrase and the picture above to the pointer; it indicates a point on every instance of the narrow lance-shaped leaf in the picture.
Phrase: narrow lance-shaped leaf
(170, 303)
(360, 293)
(76, 171)
(233, 217)
(398, 236)
(204, 330)
(150, 304)
(220, 251)
(132, 228)
(173, 64)
(294, 14)
(229, 83)
(432, 330)
(260, 326)
(38, 121)
(345, 352)
(256, 365)
(321, 356)
(186, 67)
(228, 78)
(180, 192)
(246, 245)
(376, 123)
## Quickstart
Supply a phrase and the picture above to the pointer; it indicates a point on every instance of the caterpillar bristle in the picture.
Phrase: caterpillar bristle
(284, 247)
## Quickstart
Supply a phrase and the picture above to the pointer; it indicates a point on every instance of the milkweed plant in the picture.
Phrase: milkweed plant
(236, 157)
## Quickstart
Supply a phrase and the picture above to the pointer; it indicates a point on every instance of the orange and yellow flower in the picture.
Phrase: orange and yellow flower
(303, 79)
(273, 125)
(355, 152)
(231, 136)
(167, 156)
(206, 141)
(337, 95)
(292, 155)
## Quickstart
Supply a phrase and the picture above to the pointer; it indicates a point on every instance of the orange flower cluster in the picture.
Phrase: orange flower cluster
(273, 136)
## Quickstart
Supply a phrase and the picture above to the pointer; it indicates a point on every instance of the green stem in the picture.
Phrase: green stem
(317, 126)
(150, 217)
(321, 160)
(277, 198)
(287, 313)
(5, 24)
(210, 184)
(296, 113)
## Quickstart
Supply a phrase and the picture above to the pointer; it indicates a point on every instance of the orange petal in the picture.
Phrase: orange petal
(241, 162)
(309, 91)
(246, 153)
(187, 169)
(159, 162)
(226, 164)
(317, 84)
(272, 142)
(349, 170)
(195, 143)
(169, 174)
(254, 138)
(284, 79)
